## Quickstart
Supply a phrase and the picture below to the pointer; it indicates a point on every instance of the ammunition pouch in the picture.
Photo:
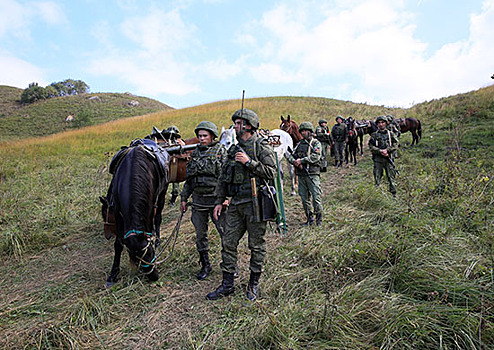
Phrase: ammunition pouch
(267, 203)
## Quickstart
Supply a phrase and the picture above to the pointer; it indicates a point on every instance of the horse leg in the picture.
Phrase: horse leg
(115, 269)
(361, 137)
(292, 179)
(414, 137)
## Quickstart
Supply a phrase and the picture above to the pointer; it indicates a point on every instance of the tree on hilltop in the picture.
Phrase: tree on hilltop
(67, 87)
(70, 87)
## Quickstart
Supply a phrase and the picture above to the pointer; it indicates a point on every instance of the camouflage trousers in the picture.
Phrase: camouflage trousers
(238, 220)
(308, 190)
(324, 154)
(175, 189)
(339, 151)
(379, 166)
(200, 219)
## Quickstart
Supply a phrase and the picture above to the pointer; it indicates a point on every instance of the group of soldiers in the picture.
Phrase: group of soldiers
(221, 181)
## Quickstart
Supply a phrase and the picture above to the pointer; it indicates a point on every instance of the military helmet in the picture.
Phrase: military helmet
(321, 121)
(173, 132)
(389, 117)
(248, 115)
(383, 118)
(208, 126)
(340, 117)
(306, 126)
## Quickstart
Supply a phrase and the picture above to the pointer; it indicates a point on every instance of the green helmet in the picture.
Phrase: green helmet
(340, 117)
(173, 132)
(306, 126)
(248, 115)
(208, 126)
(383, 118)
(321, 121)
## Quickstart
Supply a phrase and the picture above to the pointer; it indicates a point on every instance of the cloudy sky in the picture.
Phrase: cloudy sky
(189, 52)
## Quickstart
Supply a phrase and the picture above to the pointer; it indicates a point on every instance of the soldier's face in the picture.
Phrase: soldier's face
(241, 126)
(381, 125)
(204, 137)
(306, 134)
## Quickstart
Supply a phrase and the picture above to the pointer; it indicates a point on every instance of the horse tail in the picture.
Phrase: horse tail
(419, 129)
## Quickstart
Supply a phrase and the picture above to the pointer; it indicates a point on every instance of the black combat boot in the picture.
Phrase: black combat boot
(319, 219)
(205, 265)
(253, 290)
(310, 220)
(226, 288)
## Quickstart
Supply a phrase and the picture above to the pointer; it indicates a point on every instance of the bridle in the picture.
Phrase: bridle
(141, 262)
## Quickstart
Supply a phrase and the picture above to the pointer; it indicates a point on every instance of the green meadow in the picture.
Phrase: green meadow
(412, 272)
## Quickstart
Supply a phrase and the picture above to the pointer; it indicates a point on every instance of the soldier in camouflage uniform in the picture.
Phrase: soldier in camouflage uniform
(203, 170)
(254, 158)
(306, 158)
(392, 126)
(339, 134)
(382, 144)
(324, 137)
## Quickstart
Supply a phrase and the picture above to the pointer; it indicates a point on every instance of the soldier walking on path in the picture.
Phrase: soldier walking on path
(324, 137)
(306, 159)
(203, 170)
(339, 134)
(382, 144)
(248, 166)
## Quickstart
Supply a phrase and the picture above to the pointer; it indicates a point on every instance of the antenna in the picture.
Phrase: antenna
(242, 110)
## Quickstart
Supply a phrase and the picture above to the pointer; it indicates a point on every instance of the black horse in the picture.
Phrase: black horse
(352, 144)
(364, 127)
(134, 203)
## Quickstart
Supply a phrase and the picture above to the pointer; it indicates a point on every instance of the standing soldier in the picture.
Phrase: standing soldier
(324, 137)
(339, 134)
(249, 165)
(203, 170)
(306, 159)
(382, 144)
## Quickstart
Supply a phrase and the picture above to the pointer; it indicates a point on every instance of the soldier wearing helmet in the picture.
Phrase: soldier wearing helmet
(382, 144)
(306, 158)
(324, 137)
(252, 160)
(339, 134)
(203, 171)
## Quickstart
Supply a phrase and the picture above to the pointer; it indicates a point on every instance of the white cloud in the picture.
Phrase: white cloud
(19, 73)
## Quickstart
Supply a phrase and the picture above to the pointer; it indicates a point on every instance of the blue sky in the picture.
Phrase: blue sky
(189, 52)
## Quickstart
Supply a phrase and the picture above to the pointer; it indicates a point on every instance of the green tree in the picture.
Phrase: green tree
(70, 87)
(34, 93)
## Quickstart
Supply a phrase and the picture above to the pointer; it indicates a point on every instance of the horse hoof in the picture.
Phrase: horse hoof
(154, 275)
(108, 284)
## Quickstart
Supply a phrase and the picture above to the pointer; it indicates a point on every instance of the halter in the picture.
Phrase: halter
(141, 262)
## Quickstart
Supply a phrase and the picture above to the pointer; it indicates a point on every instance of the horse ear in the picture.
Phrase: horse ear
(103, 200)
(288, 119)
(282, 119)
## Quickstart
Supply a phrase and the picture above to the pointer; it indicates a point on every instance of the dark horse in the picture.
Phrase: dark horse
(352, 144)
(413, 125)
(134, 203)
(364, 127)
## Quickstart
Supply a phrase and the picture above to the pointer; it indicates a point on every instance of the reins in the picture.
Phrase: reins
(173, 237)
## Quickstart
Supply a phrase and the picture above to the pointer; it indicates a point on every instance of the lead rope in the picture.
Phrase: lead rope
(173, 237)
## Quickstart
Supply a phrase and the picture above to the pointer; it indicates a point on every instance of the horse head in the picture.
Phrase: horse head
(228, 137)
(140, 246)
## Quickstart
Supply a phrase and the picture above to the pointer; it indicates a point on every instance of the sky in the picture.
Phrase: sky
(184, 53)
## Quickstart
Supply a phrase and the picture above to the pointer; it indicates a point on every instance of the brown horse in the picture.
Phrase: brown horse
(291, 128)
(413, 125)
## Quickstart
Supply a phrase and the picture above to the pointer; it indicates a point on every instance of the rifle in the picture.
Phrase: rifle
(389, 159)
(303, 168)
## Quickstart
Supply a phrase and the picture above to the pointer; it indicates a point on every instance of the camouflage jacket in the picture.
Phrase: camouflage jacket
(203, 171)
(380, 140)
(234, 180)
(339, 132)
(309, 153)
(323, 134)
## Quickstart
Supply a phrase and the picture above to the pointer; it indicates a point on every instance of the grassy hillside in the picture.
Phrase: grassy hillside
(48, 116)
(415, 272)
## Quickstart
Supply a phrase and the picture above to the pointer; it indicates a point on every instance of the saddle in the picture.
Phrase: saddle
(154, 152)
(273, 140)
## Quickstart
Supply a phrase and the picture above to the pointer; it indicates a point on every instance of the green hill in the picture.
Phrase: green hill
(48, 117)
(412, 272)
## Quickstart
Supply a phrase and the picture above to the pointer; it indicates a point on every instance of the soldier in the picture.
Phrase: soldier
(251, 162)
(324, 137)
(339, 134)
(174, 138)
(392, 126)
(382, 144)
(306, 159)
(203, 170)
